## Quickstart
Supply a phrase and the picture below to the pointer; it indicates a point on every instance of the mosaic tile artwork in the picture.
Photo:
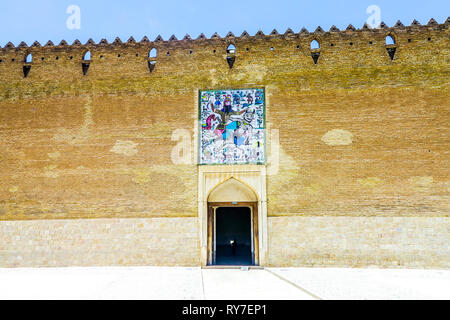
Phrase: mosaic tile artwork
(232, 126)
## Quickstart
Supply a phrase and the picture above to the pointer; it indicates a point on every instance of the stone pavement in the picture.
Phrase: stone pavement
(223, 284)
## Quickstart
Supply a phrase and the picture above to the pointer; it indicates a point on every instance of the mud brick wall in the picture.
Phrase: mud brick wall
(362, 137)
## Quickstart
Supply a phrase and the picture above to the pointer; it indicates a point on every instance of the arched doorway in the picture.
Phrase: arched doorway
(233, 235)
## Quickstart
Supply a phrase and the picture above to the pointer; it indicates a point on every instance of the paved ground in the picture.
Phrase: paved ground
(195, 283)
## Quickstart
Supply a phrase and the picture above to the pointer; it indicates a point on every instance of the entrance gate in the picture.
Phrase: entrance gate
(233, 234)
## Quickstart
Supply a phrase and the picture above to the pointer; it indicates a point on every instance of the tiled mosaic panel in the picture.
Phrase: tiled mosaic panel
(232, 126)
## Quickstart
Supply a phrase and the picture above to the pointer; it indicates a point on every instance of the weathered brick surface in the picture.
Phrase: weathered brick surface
(360, 135)
(99, 242)
(393, 242)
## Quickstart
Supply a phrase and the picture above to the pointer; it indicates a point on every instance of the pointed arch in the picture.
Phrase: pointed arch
(231, 49)
(153, 53)
(87, 56)
(29, 58)
(390, 39)
(232, 190)
(314, 44)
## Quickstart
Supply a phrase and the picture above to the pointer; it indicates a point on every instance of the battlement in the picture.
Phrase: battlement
(189, 62)
(304, 33)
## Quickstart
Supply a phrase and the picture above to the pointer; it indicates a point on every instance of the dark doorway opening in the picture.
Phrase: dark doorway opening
(233, 236)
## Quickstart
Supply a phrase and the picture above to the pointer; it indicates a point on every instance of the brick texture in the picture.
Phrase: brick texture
(361, 136)
(99, 242)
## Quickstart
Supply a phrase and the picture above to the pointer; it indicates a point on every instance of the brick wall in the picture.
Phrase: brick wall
(361, 135)
(390, 242)
(99, 242)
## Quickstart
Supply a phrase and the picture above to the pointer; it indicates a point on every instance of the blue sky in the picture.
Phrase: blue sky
(42, 20)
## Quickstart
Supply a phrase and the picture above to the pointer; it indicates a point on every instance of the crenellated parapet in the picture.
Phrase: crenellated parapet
(383, 29)
(252, 58)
